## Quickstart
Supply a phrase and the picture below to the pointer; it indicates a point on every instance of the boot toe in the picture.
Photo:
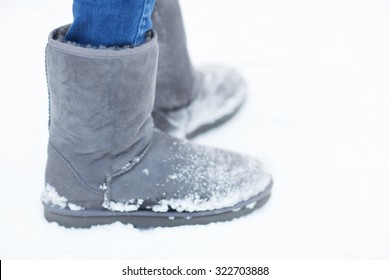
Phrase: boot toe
(215, 179)
(177, 175)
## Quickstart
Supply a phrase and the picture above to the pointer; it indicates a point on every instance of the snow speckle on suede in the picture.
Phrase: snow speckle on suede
(218, 180)
(146, 172)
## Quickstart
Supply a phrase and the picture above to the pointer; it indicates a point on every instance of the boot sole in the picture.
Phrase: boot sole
(149, 219)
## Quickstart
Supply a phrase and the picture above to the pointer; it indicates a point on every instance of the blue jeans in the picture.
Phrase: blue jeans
(110, 22)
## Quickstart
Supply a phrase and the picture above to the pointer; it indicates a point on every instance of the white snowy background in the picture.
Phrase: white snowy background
(317, 115)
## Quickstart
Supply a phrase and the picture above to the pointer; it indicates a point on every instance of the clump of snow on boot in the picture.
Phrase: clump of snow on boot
(126, 206)
(51, 197)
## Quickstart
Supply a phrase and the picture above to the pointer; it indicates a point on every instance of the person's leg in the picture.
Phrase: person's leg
(110, 22)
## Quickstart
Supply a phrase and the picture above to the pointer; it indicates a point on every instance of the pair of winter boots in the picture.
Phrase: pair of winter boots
(111, 153)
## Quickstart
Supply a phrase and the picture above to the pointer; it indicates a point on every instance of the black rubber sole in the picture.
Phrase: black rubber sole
(149, 219)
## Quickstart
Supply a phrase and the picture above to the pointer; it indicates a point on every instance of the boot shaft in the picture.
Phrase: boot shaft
(100, 104)
(176, 78)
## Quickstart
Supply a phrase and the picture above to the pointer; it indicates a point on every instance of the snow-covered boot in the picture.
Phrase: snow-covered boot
(107, 163)
(189, 101)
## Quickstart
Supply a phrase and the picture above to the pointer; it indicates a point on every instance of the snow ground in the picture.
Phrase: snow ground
(317, 115)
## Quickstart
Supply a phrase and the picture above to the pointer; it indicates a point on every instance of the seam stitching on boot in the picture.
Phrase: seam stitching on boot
(73, 171)
(128, 167)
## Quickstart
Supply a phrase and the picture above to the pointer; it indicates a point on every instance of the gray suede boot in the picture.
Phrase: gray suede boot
(107, 163)
(189, 101)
